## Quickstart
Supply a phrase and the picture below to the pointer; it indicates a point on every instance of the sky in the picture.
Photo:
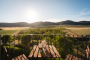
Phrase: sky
(44, 10)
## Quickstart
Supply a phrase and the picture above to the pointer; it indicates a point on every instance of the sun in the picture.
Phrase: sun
(31, 15)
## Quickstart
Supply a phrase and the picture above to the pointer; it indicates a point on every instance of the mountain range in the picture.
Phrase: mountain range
(24, 24)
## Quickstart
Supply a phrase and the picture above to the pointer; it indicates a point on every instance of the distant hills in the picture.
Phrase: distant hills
(24, 24)
(69, 22)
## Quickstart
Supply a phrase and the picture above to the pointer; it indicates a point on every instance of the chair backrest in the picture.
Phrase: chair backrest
(6, 52)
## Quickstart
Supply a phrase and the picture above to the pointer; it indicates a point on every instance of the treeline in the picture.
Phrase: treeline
(37, 24)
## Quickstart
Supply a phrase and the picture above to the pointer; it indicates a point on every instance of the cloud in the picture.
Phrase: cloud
(82, 13)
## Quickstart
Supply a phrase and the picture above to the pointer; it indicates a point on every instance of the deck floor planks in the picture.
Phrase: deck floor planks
(22, 58)
(44, 54)
(25, 57)
(18, 57)
(36, 52)
(55, 51)
(48, 51)
(52, 53)
(39, 53)
(31, 54)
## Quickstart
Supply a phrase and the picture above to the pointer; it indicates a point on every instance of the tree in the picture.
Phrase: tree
(26, 41)
(5, 38)
(65, 45)
(60, 42)
(0, 29)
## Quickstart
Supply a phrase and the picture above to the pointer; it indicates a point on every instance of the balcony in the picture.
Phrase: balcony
(73, 45)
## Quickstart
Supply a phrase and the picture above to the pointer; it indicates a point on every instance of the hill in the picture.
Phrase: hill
(69, 22)
(35, 24)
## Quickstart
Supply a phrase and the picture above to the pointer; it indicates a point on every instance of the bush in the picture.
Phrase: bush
(65, 45)
(60, 42)
(26, 39)
(0, 29)
(5, 38)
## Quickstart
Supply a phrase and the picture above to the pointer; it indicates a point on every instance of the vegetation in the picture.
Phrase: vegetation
(0, 29)
(7, 31)
(80, 31)
(52, 39)
(43, 31)
(26, 41)
(7, 38)
(63, 43)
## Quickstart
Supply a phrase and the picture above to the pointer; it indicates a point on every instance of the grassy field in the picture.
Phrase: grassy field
(77, 29)
(71, 29)
(80, 31)
(7, 31)
(14, 28)
(11, 30)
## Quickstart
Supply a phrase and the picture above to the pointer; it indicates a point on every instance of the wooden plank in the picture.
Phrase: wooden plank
(66, 59)
(15, 58)
(52, 53)
(76, 58)
(31, 54)
(36, 52)
(44, 53)
(48, 51)
(73, 57)
(25, 57)
(18, 57)
(56, 52)
(21, 57)
(79, 58)
(5, 49)
(70, 57)
(40, 54)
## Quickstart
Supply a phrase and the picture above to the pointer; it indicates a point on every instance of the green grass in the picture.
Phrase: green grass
(80, 31)
(7, 31)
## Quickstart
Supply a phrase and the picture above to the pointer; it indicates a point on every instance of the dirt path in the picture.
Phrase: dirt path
(16, 32)
(70, 33)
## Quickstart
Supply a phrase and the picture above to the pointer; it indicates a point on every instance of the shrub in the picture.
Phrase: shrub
(5, 38)
(26, 39)
(0, 29)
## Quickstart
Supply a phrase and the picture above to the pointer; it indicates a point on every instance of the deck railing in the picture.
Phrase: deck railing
(16, 45)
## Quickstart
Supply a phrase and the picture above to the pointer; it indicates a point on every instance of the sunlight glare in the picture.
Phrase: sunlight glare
(31, 15)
